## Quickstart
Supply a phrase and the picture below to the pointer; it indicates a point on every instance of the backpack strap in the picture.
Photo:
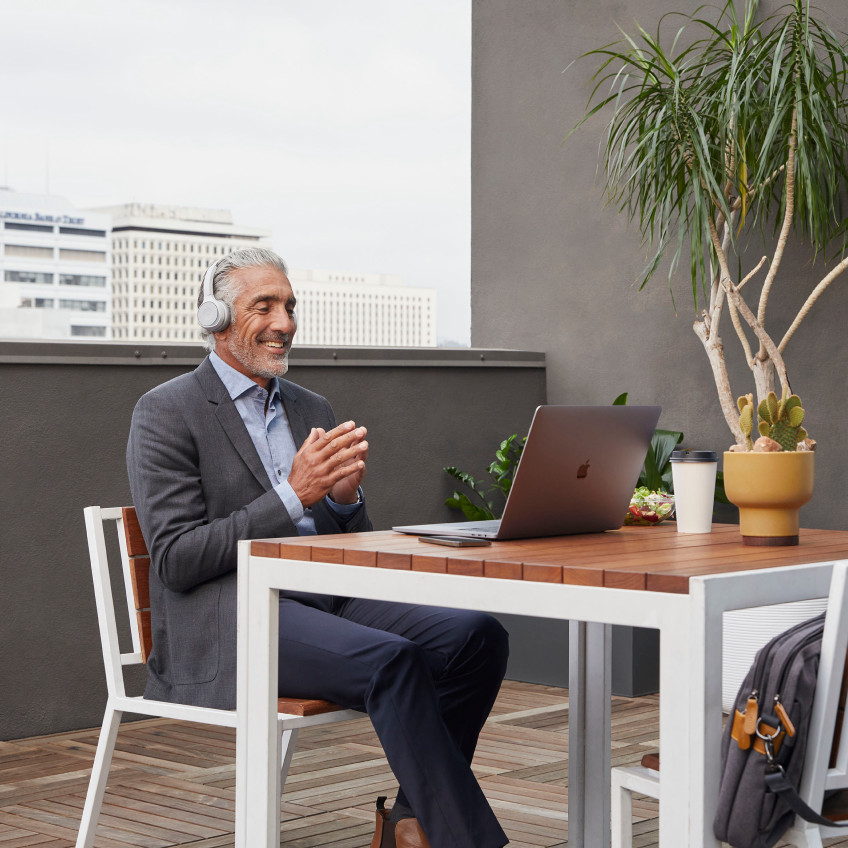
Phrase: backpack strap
(778, 783)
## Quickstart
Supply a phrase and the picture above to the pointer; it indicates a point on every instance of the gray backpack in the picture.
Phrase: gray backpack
(765, 741)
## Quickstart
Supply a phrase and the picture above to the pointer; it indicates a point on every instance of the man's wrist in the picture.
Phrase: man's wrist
(351, 503)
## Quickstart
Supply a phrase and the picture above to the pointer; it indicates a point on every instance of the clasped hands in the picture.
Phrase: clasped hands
(330, 463)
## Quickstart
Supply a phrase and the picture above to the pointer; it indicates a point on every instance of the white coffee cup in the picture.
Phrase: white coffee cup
(694, 476)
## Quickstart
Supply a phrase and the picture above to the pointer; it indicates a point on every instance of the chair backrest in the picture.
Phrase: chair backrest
(136, 560)
(826, 763)
(135, 567)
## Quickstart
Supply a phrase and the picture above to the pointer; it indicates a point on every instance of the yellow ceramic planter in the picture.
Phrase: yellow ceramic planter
(769, 489)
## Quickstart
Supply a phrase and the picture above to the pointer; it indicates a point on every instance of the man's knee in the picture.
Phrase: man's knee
(399, 662)
(486, 643)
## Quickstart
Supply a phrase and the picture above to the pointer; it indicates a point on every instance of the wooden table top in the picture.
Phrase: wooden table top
(657, 559)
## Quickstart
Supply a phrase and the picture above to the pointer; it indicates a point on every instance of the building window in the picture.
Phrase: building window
(82, 255)
(81, 280)
(28, 277)
(83, 305)
(75, 231)
(29, 228)
(37, 303)
(88, 331)
(29, 252)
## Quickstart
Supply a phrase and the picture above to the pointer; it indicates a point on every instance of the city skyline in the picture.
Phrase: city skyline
(345, 131)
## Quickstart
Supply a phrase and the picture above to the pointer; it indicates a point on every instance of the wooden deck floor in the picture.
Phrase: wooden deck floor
(172, 783)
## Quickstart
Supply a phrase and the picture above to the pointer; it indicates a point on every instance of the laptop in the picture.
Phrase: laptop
(576, 475)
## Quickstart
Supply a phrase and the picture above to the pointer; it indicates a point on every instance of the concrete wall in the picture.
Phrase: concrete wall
(553, 269)
(64, 418)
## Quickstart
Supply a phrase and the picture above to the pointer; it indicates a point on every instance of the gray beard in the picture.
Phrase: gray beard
(246, 358)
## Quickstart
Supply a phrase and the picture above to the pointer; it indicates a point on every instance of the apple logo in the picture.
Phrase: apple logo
(583, 470)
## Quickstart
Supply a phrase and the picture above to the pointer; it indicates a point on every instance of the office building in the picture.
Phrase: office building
(159, 254)
(54, 269)
(344, 308)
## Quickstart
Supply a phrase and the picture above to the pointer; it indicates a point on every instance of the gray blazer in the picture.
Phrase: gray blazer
(198, 486)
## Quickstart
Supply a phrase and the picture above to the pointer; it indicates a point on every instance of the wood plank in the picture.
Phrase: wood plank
(145, 633)
(132, 533)
(433, 564)
(542, 572)
(140, 577)
(358, 557)
(503, 569)
(386, 559)
(289, 550)
(468, 567)
(327, 554)
(265, 548)
(306, 706)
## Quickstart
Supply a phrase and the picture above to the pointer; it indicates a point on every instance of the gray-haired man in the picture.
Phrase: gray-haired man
(231, 451)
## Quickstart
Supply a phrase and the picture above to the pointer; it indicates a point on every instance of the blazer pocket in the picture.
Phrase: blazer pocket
(193, 624)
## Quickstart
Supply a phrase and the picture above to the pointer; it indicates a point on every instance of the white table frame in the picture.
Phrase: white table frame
(690, 628)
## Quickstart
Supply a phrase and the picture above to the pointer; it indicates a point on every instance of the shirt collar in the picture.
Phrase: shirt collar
(238, 384)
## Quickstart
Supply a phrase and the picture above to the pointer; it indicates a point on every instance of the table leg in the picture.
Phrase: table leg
(257, 775)
(687, 681)
(706, 627)
(589, 741)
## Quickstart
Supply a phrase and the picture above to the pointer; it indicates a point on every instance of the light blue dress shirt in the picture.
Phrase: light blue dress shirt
(271, 434)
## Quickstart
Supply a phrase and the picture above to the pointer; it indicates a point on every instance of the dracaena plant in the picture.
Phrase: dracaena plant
(738, 126)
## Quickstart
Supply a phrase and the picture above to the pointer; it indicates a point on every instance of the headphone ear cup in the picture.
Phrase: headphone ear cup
(213, 315)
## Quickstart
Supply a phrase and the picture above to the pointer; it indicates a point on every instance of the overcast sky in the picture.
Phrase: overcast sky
(341, 125)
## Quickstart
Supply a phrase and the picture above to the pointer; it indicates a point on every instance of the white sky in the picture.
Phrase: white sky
(341, 125)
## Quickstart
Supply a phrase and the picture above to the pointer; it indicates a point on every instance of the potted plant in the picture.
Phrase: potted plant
(740, 126)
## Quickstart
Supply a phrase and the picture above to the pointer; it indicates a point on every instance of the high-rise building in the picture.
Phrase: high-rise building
(346, 308)
(54, 268)
(159, 254)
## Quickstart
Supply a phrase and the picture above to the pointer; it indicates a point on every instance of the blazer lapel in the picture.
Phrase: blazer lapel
(300, 429)
(230, 420)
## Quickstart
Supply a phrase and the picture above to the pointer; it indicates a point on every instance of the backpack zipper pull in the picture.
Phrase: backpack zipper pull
(752, 717)
(783, 716)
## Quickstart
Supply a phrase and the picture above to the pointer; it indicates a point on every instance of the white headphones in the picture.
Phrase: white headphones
(213, 314)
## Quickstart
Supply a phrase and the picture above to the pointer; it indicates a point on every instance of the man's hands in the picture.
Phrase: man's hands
(330, 463)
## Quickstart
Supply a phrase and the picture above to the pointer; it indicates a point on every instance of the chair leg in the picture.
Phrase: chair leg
(286, 744)
(624, 781)
(803, 835)
(99, 777)
(621, 812)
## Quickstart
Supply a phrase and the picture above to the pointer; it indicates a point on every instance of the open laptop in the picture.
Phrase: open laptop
(576, 474)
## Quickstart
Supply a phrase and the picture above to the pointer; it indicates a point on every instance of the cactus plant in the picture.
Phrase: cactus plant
(780, 420)
(746, 418)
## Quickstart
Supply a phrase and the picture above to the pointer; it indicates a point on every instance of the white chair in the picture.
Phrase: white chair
(826, 761)
(135, 562)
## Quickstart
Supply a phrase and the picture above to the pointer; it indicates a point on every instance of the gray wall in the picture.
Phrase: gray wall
(553, 269)
(64, 418)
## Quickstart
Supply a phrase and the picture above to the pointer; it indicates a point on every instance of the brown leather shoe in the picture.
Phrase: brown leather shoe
(408, 834)
(384, 832)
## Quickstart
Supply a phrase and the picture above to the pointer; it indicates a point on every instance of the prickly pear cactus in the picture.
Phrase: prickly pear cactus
(746, 418)
(781, 419)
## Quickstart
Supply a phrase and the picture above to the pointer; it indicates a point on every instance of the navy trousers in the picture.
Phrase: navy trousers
(426, 676)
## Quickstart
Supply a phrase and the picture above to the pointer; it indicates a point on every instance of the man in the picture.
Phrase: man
(230, 452)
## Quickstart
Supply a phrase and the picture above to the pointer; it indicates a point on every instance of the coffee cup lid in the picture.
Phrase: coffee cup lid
(694, 456)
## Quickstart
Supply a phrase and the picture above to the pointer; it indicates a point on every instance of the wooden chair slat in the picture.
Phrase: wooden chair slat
(306, 706)
(651, 761)
(835, 806)
(132, 531)
(145, 633)
(140, 574)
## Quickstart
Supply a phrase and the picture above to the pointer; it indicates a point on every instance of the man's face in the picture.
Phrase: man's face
(259, 338)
